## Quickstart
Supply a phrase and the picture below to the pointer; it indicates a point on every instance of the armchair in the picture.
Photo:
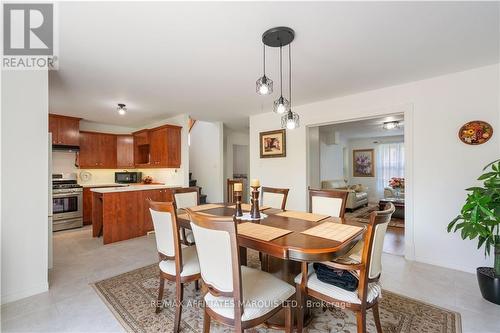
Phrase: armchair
(356, 197)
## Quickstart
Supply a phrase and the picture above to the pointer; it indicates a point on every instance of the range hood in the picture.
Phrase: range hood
(65, 148)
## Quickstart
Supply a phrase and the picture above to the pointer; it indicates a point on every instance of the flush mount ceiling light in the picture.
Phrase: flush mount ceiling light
(264, 85)
(390, 125)
(122, 110)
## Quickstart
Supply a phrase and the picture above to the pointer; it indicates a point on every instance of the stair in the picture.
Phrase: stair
(192, 183)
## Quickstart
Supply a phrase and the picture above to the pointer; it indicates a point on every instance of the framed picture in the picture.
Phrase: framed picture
(475, 132)
(363, 163)
(273, 144)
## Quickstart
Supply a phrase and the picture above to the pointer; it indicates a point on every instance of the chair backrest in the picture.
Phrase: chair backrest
(328, 202)
(186, 197)
(374, 241)
(274, 197)
(166, 229)
(230, 189)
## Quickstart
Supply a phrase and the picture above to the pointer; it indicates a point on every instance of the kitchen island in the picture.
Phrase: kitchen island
(122, 212)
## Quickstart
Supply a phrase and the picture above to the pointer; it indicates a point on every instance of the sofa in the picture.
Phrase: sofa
(391, 193)
(357, 196)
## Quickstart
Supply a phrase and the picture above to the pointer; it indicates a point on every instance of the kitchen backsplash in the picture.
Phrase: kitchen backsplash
(64, 162)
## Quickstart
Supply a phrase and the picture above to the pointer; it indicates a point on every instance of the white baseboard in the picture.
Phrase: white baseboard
(11, 297)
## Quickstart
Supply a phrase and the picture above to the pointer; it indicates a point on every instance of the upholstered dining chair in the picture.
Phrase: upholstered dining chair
(235, 295)
(186, 197)
(230, 189)
(327, 202)
(178, 263)
(368, 270)
(274, 197)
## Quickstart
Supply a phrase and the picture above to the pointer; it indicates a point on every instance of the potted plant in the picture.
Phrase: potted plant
(480, 218)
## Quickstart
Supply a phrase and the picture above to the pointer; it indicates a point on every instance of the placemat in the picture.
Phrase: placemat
(245, 206)
(333, 231)
(303, 215)
(260, 231)
(205, 207)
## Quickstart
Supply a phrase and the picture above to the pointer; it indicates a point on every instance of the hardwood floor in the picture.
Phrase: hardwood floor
(394, 242)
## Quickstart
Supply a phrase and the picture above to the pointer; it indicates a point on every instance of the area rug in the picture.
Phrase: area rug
(363, 215)
(131, 297)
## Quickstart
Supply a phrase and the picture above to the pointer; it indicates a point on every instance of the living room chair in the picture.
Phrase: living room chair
(327, 202)
(369, 271)
(186, 197)
(177, 264)
(274, 197)
(235, 295)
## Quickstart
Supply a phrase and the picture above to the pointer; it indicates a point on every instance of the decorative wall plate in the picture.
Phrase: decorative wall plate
(85, 176)
(475, 132)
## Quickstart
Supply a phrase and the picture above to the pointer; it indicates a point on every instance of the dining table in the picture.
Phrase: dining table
(284, 255)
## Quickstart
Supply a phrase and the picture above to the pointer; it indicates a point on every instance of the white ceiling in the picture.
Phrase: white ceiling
(366, 128)
(163, 59)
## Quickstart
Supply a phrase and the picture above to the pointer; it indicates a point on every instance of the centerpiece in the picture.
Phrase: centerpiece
(480, 218)
(398, 185)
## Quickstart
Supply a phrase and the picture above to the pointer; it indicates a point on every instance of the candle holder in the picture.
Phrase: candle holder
(237, 196)
(254, 210)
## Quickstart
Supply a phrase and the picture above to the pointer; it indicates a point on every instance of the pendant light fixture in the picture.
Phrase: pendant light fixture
(122, 110)
(264, 85)
(281, 105)
(290, 120)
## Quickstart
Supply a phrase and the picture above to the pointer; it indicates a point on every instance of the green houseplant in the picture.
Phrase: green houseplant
(480, 218)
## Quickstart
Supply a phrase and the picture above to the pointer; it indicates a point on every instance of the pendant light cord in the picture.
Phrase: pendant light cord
(281, 72)
(290, 73)
(264, 56)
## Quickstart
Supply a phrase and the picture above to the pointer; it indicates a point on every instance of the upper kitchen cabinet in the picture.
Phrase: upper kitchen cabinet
(141, 148)
(98, 150)
(125, 151)
(158, 147)
(65, 130)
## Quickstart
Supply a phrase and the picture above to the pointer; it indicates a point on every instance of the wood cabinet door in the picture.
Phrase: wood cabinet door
(158, 147)
(89, 150)
(125, 151)
(173, 154)
(87, 206)
(68, 131)
(53, 128)
(107, 151)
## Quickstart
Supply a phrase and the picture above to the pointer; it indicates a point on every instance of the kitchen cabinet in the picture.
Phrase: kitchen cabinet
(165, 147)
(97, 150)
(65, 130)
(87, 203)
(141, 148)
(124, 151)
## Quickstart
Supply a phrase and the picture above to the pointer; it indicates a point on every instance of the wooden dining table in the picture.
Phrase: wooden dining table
(284, 255)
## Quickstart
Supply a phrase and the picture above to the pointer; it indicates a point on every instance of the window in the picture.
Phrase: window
(390, 163)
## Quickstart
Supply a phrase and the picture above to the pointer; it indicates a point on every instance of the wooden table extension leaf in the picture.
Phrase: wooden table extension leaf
(333, 231)
(262, 232)
(303, 215)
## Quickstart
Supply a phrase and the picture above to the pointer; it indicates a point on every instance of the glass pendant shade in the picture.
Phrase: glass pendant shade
(264, 86)
(290, 120)
(281, 105)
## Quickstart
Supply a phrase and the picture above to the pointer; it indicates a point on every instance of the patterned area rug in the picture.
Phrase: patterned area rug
(363, 215)
(131, 297)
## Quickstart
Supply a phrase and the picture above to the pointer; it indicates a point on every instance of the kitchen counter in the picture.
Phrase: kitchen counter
(133, 187)
(103, 185)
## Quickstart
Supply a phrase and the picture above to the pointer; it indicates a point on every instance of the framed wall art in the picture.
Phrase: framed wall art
(363, 163)
(475, 132)
(273, 144)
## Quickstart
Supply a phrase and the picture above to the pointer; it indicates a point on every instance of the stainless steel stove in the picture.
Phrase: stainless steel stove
(67, 202)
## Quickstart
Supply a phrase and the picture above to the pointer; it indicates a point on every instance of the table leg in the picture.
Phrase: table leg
(243, 256)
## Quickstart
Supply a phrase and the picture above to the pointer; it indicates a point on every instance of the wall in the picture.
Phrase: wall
(206, 158)
(331, 158)
(240, 159)
(439, 166)
(24, 174)
(370, 183)
(231, 138)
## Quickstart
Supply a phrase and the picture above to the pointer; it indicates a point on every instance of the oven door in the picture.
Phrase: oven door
(67, 206)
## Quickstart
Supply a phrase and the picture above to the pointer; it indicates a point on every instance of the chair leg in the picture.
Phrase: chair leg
(288, 319)
(160, 294)
(196, 285)
(206, 322)
(361, 321)
(300, 309)
(179, 291)
(376, 316)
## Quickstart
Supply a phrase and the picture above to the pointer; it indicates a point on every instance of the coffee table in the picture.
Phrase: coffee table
(399, 203)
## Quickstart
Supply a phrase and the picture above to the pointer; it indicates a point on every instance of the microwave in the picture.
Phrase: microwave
(128, 177)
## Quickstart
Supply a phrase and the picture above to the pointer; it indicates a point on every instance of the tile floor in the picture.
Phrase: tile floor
(71, 305)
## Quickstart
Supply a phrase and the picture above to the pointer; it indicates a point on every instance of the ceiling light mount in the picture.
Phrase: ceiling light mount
(390, 125)
(122, 110)
(278, 36)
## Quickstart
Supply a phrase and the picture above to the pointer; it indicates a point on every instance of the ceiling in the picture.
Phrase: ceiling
(367, 128)
(167, 58)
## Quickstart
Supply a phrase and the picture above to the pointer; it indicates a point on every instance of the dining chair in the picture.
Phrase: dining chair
(235, 295)
(177, 263)
(186, 197)
(274, 197)
(327, 202)
(368, 270)
(230, 189)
